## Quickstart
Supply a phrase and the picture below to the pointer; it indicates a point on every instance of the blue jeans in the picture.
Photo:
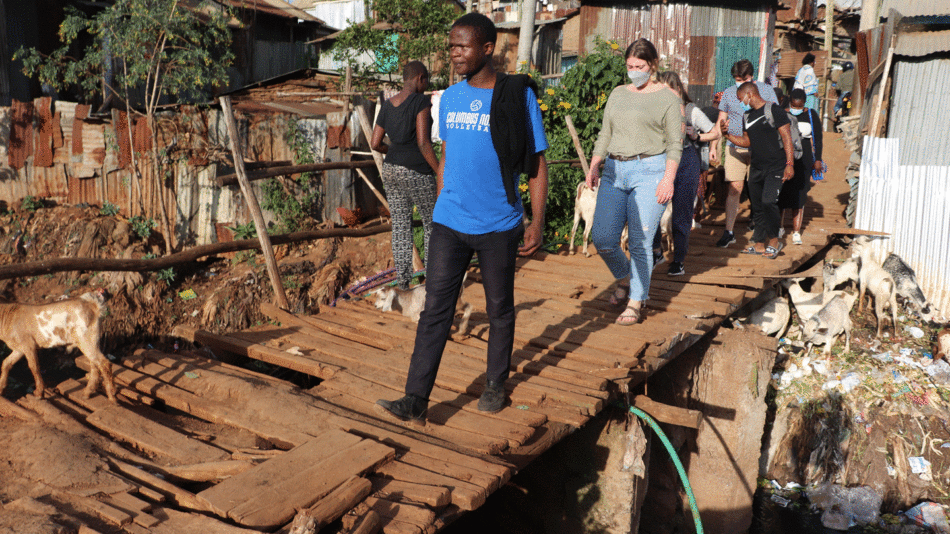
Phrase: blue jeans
(627, 196)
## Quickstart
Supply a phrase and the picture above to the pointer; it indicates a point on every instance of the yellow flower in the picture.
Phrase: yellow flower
(544, 107)
(523, 187)
(567, 105)
(549, 91)
(539, 101)
(614, 46)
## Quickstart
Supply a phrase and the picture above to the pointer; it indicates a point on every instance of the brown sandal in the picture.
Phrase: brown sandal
(629, 316)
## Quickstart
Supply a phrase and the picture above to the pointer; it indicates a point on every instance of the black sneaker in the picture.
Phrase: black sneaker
(676, 269)
(408, 408)
(493, 398)
(658, 257)
(727, 239)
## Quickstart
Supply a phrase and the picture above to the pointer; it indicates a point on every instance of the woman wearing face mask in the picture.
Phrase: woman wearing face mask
(795, 191)
(640, 143)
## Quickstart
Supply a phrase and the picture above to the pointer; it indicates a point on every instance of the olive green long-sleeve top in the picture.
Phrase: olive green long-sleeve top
(641, 124)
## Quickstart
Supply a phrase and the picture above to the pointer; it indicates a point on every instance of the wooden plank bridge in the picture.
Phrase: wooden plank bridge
(328, 453)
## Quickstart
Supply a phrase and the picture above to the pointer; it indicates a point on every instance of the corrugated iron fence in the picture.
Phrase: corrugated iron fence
(58, 152)
(910, 203)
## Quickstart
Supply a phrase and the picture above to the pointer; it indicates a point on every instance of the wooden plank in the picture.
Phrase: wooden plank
(465, 495)
(147, 435)
(665, 413)
(209, 471)
(368, 523)
(404, 512)
(245, 487)
(181, 497)
(314, 322)
(278, 503)
(339, 501)
(9, 409)
(396, 490)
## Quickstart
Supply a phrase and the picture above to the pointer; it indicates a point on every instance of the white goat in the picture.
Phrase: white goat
(943, 345)
(872, 277)
(832, 320)
(585, 204)
(411, 302)
(806, 304)
(772, 318)
(72, 323)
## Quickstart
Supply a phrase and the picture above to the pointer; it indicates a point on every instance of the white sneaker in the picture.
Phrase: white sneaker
(797, 238)
(781, 232)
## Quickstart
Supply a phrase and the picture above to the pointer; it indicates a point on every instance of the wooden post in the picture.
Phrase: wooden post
(376, 192)
(279, 296)
(883, 86)
(826, 74)
(577, 144)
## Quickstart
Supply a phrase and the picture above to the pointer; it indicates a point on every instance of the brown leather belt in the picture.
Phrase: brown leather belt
(629, 158)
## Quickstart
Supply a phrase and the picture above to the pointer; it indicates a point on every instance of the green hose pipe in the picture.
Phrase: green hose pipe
(676, 461)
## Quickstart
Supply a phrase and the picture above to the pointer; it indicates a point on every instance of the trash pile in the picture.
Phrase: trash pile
(862, 436)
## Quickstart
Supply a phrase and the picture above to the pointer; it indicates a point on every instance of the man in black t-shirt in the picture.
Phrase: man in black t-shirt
(770, 149)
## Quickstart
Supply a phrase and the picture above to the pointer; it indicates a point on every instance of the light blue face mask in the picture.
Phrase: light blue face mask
(739, 83)
(638, 78)
(746, 107)
(796, 111)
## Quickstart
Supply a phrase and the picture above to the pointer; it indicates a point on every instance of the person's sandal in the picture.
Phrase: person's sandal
(630, 316)
(751, 250)
(620, 295)
(772, 252)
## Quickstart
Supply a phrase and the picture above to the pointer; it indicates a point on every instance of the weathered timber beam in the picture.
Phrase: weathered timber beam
(270, 172)
(665, 413)
(36, 268)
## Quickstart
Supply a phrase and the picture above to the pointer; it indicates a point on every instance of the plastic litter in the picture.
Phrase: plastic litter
(939, 371)
(781, 501)
(920, 466)
(884, 357)
(914, 331)
(929, 515)
(850, 381)
(845, 507)
(820, 366)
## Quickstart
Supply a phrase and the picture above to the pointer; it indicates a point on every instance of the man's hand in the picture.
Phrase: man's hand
(724, 127)
(789, 173)
(532, 239)
(818, 165)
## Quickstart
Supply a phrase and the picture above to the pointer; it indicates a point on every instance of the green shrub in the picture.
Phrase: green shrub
(31, 203)
(582, 94)
(142, 226)
(109, 209)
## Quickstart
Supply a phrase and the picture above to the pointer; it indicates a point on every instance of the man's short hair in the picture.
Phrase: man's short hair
(742, 68)
(747, 88)
(797, 94)
(483, 27)
(413, 69)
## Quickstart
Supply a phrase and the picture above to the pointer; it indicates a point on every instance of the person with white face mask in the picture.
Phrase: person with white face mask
(640, 143)
(795, 191)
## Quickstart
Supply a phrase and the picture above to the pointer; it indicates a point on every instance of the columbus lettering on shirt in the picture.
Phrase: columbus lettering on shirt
(463, 120)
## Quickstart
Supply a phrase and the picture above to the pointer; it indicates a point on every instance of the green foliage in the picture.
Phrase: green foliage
(582, 94)
(166, 275)
(109, 209)
(419, 31)
(243, 231)
(31, 203)
(142, 226)
(292, 207)
(187, 47)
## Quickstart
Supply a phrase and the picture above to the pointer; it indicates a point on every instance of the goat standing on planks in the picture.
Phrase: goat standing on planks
(72, 323)
(585, 203)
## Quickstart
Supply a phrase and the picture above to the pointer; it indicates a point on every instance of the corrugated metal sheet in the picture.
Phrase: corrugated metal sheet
(910, 203)
(918, 113)
(339, 15)
(922, 43)
(916, 8)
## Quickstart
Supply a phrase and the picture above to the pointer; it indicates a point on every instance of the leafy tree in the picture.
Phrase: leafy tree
(581, 93)
(414, 30)
(139, 51)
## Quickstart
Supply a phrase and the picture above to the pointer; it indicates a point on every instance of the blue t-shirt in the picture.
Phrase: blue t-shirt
(473, 198)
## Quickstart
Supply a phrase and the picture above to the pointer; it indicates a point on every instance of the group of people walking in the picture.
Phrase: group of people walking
(650, 146)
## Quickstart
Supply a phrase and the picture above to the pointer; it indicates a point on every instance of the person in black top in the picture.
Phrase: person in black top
(769, 139)
(795, 191)
(409, 169)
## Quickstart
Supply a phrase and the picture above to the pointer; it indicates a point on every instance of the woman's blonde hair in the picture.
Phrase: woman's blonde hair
(644, 49)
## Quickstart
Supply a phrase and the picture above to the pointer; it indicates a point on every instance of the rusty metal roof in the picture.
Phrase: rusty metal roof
(916, 8)
(278, 8)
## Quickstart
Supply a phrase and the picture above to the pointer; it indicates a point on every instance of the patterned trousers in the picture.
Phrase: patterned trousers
(406, 188)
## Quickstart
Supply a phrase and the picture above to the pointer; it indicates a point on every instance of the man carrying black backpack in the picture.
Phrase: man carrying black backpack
(769, 140)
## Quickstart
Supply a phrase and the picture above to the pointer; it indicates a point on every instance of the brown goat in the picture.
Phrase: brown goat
(72, 323)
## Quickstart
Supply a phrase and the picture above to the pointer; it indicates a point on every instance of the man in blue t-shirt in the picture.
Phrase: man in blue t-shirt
(491, 131)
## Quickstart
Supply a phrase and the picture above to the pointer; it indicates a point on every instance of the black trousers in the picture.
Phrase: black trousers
(449, 255)
(765, 185)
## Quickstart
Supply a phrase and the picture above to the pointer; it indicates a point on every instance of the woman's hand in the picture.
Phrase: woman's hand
(593, 175)
(664, 191)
